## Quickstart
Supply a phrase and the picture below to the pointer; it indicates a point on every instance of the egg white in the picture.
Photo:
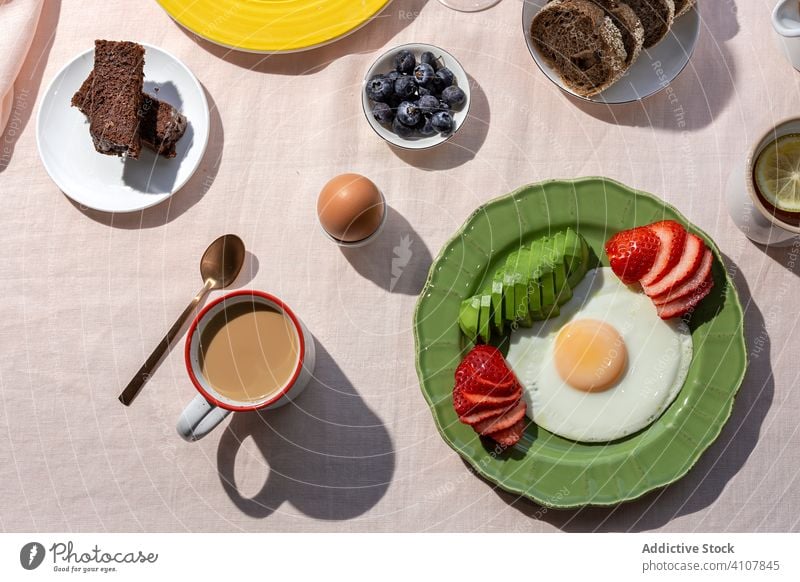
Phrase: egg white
(659, 356)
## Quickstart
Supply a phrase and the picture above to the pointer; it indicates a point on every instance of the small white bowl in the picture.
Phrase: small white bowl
(385, 64)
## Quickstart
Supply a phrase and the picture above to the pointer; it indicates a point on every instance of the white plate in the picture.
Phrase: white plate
(653, 71)
(111, 183)
(384, 64)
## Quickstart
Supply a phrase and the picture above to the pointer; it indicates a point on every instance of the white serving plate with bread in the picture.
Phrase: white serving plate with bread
(651, 71)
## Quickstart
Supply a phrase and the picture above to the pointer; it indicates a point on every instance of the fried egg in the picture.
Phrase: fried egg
(606, 367)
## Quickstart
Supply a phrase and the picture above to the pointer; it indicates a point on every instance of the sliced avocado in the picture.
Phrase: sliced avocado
(563, 291)
(535, 297)
(485, 319)
(497, 305)
(548, 292)
(468, 317)
(509, 274)
(576, 257)
(521, 284)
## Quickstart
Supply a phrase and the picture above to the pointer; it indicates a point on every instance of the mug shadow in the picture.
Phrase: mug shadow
(406, 271)
(328, 453)
(720, 463)
(698, 95)
(787, 256)
(463, 146)
(370, 37)
(29, 80)
(191, 193)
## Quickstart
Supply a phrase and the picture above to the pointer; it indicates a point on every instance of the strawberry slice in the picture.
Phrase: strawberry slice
(510, 436)
(693, 251)
(480, 401)
(475, 384)
(487, 363)
(681, 307)
(502, 422)
(672, 236)
(632, 253)
(700, 275)
(477, 416)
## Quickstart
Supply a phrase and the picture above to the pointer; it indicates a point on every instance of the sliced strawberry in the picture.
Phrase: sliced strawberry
(474, 383)
(632, 253)
(510, 436)
(502, 422)
(693, 251)
(681, 307)
(672, 236)
(486, 363)
(477, 416)
(702, 272)
(481, 401)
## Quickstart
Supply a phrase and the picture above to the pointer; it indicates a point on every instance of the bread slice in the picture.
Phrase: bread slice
(683, 6)
(580, 41)
(656, 16)
(628, 23)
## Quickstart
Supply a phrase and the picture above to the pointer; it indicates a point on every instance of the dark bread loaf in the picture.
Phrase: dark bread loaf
(656, 16)
(580, 41)
(116, 97)
(160, 126)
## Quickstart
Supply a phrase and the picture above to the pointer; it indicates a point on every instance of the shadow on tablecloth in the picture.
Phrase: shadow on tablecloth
(699, 94)
(705, 482)
(328, 454)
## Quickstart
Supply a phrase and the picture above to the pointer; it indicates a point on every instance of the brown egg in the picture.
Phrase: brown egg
(350, 207)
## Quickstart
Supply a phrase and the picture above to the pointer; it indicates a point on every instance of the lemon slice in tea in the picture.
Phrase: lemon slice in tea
(777, 173)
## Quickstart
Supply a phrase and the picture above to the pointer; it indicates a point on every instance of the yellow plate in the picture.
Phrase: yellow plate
(272, 26)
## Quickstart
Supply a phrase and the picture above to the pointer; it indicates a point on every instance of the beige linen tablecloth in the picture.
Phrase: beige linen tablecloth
(86, 296)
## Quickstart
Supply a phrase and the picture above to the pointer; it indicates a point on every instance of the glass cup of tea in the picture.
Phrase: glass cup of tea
(752, 198)
(245, 351)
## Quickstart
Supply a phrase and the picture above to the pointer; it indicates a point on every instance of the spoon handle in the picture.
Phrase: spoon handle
(143, 375)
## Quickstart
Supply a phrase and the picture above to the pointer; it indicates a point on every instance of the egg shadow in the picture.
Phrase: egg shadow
(328, 453)
(698, 95)
(191, 193)
(29, 80)
(465, 143)
(720, 463)
(397, 261)
(370, 37)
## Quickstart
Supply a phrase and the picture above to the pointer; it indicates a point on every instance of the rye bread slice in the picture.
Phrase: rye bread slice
(657, 17)
(580, 41)
(161, 125)
(683, 6)
(116, 97)
(629, 25)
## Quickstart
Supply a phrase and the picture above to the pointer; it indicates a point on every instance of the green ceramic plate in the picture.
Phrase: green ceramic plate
(549, 469)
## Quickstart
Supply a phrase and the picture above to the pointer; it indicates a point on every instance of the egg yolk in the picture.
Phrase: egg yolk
(590, 355)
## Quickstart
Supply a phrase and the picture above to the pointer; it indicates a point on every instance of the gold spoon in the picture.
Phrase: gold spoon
(219, 267)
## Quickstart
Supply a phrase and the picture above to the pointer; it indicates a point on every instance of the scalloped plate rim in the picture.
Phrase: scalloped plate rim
(698, 451)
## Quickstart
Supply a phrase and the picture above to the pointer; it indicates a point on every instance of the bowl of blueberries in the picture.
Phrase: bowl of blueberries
(416, 96)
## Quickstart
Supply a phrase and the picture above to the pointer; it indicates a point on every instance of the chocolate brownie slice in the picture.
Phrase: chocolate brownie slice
(160, 125)
(116, 97)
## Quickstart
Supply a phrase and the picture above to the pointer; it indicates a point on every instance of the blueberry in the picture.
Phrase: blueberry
(393, 76)
(444, 77)
(422, 91)
(401, 130)
(404, 62)
(383, 113)
(428, 104)
(454, 96)
(424, 74)
(380, 89)
(428, 58)
(443, 106)
(442, 122)
(426, 129)
(408, 114)
(405, 87)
